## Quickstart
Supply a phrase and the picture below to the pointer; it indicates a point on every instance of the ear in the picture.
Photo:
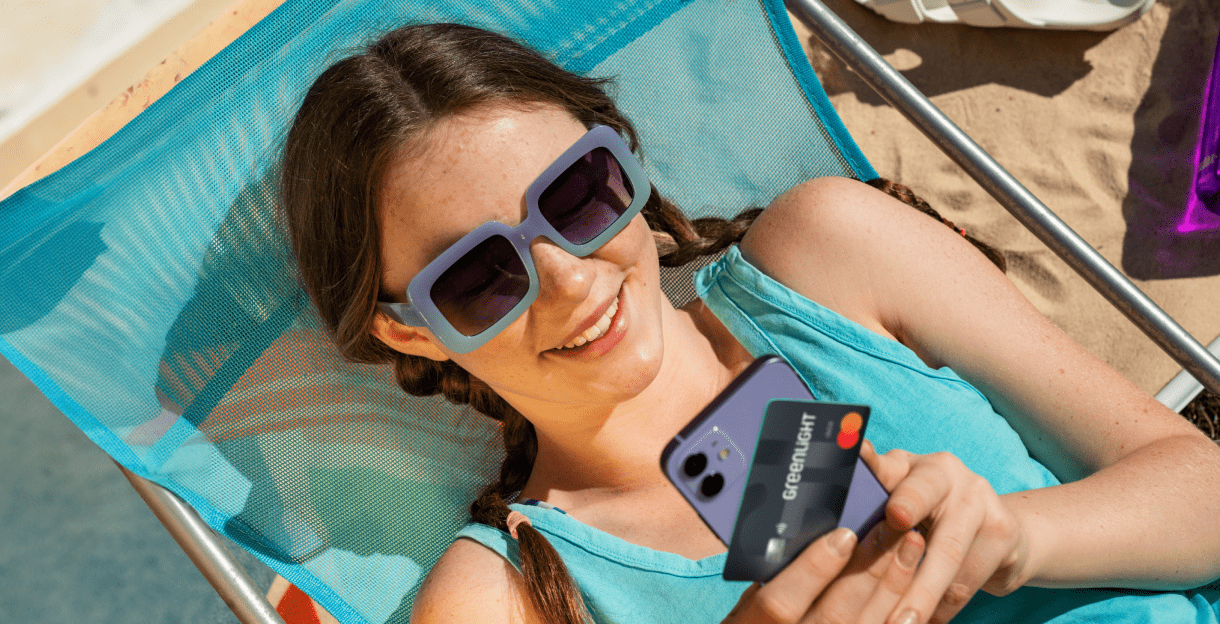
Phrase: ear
(408, 340)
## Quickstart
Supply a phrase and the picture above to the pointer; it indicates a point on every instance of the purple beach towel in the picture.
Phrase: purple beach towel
(1205, 187)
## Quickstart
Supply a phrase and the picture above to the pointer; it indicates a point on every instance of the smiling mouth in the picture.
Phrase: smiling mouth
(595, 331)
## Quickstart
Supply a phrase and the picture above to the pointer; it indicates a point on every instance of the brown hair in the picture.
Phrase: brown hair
(357, 115)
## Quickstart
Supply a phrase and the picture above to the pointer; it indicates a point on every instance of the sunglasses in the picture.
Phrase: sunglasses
(483, 282)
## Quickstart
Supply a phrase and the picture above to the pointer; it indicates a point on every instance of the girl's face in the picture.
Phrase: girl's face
(475, 168)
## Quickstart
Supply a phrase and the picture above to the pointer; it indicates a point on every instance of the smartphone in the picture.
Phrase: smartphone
(708, 461)
(806, 478)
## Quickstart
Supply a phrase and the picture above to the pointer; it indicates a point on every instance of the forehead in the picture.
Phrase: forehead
(469, 169)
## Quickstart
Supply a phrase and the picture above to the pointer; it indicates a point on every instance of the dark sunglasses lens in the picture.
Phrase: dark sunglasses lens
(587, 198)
(482, 286)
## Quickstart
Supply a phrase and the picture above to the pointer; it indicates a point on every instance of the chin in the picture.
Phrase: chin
(648, 360)
(632, 382)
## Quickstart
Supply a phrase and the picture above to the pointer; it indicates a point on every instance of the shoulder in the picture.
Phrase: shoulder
(813, 200)
(472, 583)
(834, 220)
(804, 228)
(849, 247)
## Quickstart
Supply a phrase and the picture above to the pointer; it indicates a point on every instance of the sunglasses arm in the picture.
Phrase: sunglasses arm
(403, 313)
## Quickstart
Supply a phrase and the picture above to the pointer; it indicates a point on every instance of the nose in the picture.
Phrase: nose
(562, 277)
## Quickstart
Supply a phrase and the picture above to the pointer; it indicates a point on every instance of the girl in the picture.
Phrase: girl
(466, 210)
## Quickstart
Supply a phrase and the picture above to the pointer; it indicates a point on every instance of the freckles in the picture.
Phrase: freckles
(633, 245)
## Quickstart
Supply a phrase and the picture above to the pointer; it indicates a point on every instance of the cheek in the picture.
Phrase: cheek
(635, 252)
(632, 246)
(490, 367)
(648, 262)
(503, 347)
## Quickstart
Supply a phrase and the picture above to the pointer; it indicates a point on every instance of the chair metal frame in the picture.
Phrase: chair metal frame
(1201, 366)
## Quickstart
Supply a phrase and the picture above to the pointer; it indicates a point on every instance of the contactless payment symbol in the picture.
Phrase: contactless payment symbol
(849, 430)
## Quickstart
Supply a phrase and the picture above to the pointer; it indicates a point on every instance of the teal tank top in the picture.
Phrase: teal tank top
(914, 407)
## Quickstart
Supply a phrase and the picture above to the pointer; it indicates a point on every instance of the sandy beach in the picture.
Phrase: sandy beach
(1100, 126)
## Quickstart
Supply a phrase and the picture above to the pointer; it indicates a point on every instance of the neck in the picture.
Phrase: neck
(619, 451)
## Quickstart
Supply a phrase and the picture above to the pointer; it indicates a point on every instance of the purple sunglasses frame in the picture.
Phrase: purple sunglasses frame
(421, 311)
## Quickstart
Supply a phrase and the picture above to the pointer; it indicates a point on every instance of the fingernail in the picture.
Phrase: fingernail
(909, 617)
(843, 541)
(909, 553)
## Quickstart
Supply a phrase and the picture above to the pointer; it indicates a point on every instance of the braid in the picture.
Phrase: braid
(551, 589)
(541, 566)
(421, 376)
(680, 240)
(905, 195)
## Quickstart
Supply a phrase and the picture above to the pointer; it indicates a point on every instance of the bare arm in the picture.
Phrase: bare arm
(1140, 508)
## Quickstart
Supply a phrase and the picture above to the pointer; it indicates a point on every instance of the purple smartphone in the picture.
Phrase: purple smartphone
(709, 460)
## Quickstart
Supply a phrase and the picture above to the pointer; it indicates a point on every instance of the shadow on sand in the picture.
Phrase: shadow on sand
(1003, 56)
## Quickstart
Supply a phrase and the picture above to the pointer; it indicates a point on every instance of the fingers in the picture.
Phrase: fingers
(789, 595)
(949, 544)
(875, 580)
(923, 489)
(896, 580)
(972, 536)
(992, 563)
(974, 541)
(966, 584)
(891, 468)
(868, 454)
(926, 494)
(841, 602)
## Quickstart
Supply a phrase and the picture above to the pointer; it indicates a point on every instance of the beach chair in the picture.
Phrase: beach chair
(151, 295)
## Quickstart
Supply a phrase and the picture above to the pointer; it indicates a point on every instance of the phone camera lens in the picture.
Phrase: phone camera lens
(694, 464)
(712, 485)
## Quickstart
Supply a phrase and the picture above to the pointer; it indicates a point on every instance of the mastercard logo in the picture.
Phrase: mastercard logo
(849, 430)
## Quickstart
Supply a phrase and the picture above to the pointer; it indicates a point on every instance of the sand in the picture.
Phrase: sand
(128, 74)
(1100, 126)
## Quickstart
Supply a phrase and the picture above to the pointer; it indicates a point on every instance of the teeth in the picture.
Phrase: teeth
(598, 328)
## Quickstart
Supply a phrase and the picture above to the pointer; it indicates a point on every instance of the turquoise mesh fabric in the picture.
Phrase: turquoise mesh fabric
(151, 296)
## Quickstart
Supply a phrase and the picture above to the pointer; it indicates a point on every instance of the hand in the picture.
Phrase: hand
(829, 582)
(974, 541)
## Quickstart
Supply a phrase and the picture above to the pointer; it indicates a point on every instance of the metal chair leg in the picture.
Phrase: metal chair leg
(207, 552)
